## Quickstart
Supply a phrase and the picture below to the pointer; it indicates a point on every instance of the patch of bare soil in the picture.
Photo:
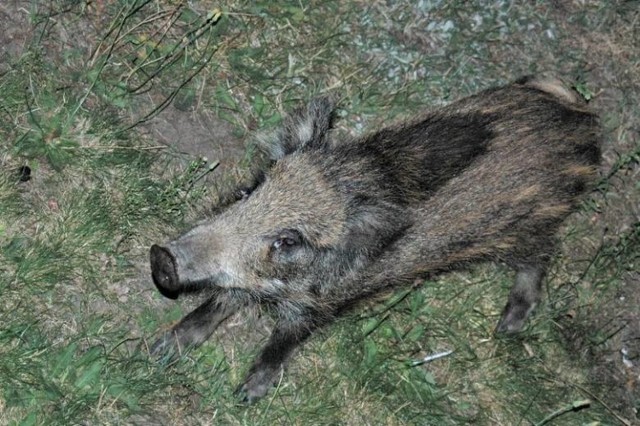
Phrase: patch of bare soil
(618, 365)
(15, 33)
(194, 134)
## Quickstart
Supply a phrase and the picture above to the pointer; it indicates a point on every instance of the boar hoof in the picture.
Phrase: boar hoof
(257, 384)
(166, 348)
(164, 271)
(513, 318)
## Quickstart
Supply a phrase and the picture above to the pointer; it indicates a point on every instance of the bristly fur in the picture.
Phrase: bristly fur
(325, 225)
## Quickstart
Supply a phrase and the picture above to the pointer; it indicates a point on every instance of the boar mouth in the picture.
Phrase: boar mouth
(164, 271)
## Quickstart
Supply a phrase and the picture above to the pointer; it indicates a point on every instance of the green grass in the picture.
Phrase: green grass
(78, 306)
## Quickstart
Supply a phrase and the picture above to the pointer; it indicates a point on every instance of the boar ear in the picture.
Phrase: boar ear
(308, 126)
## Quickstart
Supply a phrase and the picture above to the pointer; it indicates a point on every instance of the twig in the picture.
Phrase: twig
(590, 394)
(574, 406)
(621, 419)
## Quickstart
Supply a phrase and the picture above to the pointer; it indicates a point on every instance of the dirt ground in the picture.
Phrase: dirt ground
(193, 133)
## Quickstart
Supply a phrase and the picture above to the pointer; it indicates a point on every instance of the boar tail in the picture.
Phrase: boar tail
(553, 86)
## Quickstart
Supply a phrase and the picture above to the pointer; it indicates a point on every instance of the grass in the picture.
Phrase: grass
(78, 306)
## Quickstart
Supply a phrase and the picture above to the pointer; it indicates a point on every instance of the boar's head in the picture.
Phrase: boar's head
(303, 214)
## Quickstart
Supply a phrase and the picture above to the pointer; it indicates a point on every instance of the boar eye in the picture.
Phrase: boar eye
(286, 239)
(242, 193)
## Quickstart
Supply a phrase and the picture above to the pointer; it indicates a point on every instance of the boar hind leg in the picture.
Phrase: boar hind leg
(267, 367)
(524, 296)
(197, 326)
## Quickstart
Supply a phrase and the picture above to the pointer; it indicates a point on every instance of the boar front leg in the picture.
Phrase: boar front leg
(286, 336)
(197, 326)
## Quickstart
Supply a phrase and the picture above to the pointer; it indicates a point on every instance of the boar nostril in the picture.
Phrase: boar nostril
(164, 271)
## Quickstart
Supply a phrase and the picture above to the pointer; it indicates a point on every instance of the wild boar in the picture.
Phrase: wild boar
(331, 223)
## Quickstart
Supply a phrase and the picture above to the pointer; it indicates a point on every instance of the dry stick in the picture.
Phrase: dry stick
(148, 20)
(125, 17)
(163, 60)
(621, 419)
(173, 16)
(574, 406)
(104, 63)
(113, 148)
(142, 45)
(552, 379)
(193, 182)
(171, 57)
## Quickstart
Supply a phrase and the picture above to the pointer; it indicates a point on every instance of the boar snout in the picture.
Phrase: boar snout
(164, 271)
